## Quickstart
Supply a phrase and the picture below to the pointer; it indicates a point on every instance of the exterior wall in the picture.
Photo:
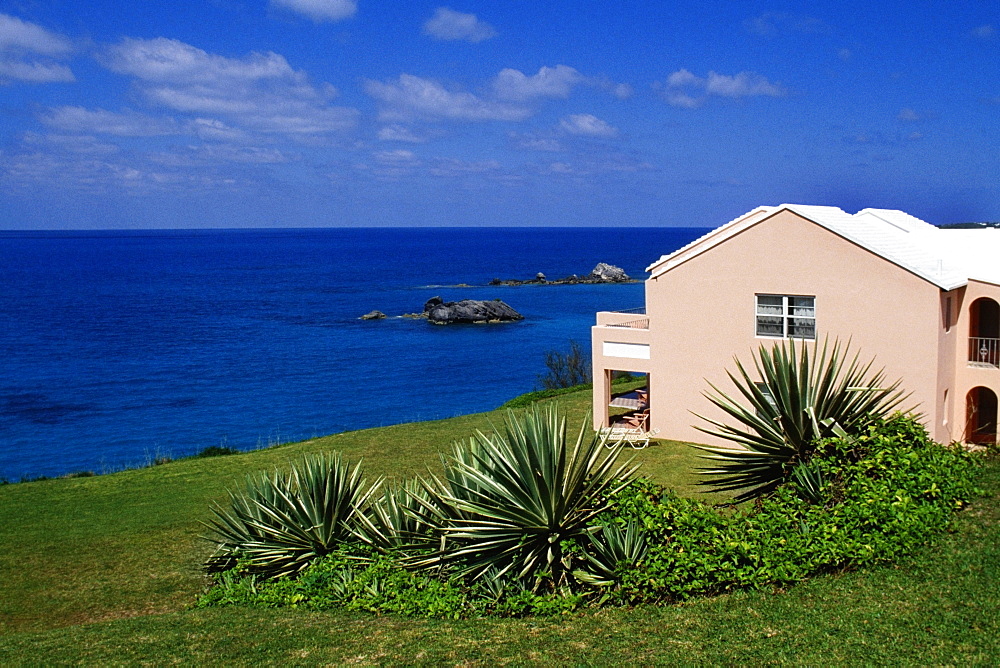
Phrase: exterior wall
(702, 314)
(967, 376)
(603, 364)
(947, 425)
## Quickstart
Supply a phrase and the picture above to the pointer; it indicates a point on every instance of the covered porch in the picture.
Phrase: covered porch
(621, 345)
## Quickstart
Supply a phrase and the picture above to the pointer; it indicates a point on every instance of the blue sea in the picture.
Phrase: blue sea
(120, 347)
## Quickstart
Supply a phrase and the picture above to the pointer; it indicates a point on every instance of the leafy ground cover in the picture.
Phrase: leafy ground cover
(81, 550)
(940, 607)
(104, 569)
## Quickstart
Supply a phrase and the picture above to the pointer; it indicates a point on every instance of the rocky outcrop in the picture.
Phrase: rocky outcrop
(441, 312)
(373, 315)
(608, 273)
(602, 273)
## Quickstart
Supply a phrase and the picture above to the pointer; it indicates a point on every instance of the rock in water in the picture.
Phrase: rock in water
(469, 310)
(608, 273)
(373, 315)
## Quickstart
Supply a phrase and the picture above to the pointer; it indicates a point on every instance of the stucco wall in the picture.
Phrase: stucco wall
(966, 376)
(702, 313)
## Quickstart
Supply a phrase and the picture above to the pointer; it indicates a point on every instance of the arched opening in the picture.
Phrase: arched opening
(981, 411)
(984, 332)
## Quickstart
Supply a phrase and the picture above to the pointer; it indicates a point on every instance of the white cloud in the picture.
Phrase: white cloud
(447, 24)
(27, 52)
(983, 32)
(622, 91)
(320, 10)
(844, 54)
(684, 89)
(555, 82)
(561, 168)
(98, 121)
(20, 36)
(536, 143)
(398, 132)
(75, 144)
(907, 114)
(453, 167)
(587, 125)
(744, 84)
(411, 97)
(260, 91)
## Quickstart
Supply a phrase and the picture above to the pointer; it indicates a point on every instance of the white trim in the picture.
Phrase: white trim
(634, 351)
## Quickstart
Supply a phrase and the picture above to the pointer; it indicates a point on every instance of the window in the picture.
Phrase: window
(768, 396)
(786, 316)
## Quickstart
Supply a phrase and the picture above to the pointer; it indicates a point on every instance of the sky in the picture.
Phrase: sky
(366, 113)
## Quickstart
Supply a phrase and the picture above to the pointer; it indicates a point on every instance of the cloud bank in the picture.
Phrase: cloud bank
(28, 53)
(320, 10)
(260, 91)
(686, 90)
(449, 25)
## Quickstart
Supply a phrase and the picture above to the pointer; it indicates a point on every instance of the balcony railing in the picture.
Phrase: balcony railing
(641, 323)
(639, 310)
(984, 352)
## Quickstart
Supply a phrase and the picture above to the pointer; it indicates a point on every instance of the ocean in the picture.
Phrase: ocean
(121, 347)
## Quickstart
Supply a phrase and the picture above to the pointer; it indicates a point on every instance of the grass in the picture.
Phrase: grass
(104, 569)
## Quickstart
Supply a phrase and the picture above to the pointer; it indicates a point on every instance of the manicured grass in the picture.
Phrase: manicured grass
(81, 550)
(941, 607)
(103, 570)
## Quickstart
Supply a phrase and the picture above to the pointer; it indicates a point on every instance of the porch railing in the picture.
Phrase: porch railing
(984, 352)
(641, 323)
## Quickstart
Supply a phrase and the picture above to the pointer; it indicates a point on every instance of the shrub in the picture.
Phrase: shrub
(884, 493)
(873, 498)
(510, 502)
(566, 369)
(804, 397)
(217, 451)
(282, 522)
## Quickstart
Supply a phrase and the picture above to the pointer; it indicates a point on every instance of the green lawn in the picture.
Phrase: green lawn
(104, 569)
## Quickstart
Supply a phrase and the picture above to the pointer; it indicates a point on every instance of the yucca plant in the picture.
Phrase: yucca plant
(509, 502)
(807, 393)
(281, 522)
(398, 521)
(612, 548)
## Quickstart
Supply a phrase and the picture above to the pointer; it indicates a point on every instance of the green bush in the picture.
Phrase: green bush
(281, 523)
(884, 493)
(870, 499)
(217, 451)
(809, 393)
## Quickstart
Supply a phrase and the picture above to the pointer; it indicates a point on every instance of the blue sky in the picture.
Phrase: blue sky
(298, 113)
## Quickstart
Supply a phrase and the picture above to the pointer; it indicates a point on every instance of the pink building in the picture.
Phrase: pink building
(923, 301)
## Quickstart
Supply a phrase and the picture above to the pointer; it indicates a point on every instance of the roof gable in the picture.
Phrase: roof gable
(942, 257)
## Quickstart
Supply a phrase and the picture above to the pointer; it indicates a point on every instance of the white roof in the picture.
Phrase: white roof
(948, 258)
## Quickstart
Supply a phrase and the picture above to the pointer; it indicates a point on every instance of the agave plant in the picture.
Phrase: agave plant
(612, 548)
(806, 395)
(398, 520)
(509, 502)
(281, 522)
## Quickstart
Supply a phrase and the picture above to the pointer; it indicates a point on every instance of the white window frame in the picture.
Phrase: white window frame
(786, 315)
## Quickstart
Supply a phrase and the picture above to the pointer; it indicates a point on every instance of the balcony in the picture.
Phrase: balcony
(984, 352)
(624, 319)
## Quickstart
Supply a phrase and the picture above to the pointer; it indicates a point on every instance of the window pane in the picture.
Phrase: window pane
(768, 396)
(770, 305)
(802, 306)
(802, 328)
(770, 326)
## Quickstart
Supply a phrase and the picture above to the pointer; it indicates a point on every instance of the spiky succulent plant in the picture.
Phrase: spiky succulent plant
(281, 522)
(805, 393)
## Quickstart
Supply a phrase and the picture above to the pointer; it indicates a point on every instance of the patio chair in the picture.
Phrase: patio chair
(619, 435)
